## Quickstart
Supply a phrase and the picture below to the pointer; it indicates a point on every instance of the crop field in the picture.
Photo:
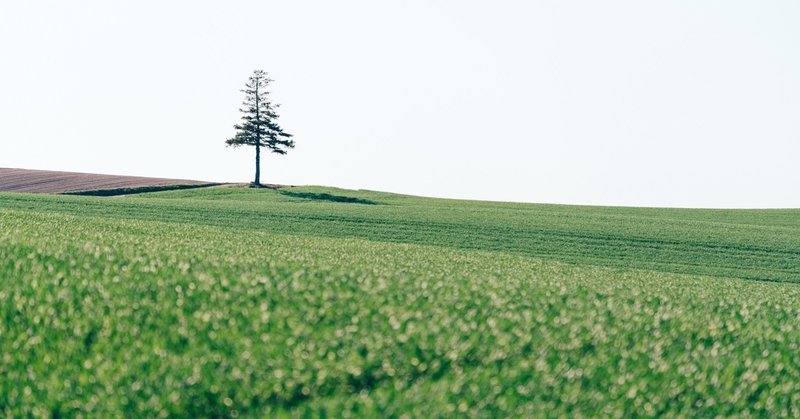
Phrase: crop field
(310, 301)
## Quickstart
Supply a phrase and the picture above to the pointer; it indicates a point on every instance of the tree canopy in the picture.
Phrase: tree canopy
(259, 126)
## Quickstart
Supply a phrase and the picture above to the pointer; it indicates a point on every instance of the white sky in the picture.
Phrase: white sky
(647, 103)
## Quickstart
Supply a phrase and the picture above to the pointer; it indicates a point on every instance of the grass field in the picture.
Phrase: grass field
(317, 301)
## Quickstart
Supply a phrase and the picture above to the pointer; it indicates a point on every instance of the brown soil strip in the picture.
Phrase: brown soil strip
(46, 181)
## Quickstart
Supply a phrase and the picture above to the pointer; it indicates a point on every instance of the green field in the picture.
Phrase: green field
(326, 302)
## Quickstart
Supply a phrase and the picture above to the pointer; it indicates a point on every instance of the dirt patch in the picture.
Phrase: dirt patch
(47, 181)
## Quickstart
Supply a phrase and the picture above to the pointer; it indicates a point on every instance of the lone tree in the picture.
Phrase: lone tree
(259, 126)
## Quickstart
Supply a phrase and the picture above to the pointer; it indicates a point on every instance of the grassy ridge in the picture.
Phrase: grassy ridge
(245, 302)
(749, 244)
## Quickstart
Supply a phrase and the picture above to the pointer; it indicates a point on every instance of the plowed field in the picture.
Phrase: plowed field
(46, 181)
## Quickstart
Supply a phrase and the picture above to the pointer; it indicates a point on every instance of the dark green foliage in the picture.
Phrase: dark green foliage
(141, 189)
(259, 127)
(327, 197)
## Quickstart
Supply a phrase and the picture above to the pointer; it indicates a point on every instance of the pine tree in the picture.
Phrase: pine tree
(259, 126)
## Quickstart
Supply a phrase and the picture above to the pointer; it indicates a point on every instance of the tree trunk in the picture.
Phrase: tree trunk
(258, 166)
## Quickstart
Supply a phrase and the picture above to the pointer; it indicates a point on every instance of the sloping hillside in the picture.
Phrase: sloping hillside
(314, 302)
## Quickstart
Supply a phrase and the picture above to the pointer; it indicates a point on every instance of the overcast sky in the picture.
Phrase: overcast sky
(646, 103)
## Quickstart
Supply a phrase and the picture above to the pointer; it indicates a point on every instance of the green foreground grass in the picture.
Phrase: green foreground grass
(317, 301)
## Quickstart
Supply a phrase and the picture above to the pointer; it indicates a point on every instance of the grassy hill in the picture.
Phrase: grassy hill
(309, 301)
